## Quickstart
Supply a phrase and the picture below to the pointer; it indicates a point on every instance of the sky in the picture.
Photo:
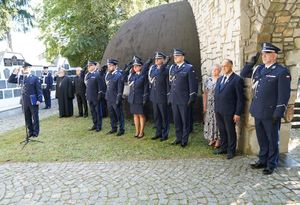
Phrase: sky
(27, 43)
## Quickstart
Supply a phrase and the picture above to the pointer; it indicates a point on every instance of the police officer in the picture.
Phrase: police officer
(31, 97)
(158, 80)
(113, 96)
(47, 82)
(80, 92)
(271, 86)
(95, 92)
(138, 94)
(182, 95)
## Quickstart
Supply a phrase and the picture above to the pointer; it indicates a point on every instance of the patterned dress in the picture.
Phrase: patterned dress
(211, 131)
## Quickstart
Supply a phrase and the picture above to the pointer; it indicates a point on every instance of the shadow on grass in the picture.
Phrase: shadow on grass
(68, 139)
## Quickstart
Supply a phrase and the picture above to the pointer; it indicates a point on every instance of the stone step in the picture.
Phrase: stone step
(297, 105)
(296, 118)
(296, 111)
(295, 124)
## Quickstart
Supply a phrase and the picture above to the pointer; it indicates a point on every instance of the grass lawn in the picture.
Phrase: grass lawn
(67, 139)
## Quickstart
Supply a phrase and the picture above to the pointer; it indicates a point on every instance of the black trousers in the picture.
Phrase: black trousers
(82, 103)
(228, 137)
(31, 113)
(47, 97)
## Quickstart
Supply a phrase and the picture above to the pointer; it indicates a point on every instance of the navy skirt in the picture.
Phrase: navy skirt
(136, 109)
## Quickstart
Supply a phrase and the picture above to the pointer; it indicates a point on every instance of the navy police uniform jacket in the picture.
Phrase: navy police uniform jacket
(30, 86)
(95, 86)
(158, 79)
(272, 87)
(183, 84)
(48, 80)
(115, 86)
(229, 99)
(139, 86)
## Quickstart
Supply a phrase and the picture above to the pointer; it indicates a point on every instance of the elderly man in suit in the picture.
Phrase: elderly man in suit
(229, 103)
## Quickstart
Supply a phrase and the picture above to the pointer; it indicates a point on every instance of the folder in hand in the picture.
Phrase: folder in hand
(33, 99)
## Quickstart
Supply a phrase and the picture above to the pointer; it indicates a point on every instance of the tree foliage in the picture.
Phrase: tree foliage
(16, 15)
(80, 29)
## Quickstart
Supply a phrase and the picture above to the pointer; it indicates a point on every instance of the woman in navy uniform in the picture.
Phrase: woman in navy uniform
(138, 94)
(31, 97)
(158, 79)
(182, 95)
(47, 82)
(113, 96)
(272, 87)
(95, 92)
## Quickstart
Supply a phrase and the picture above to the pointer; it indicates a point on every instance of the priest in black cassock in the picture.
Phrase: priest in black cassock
(64, 94)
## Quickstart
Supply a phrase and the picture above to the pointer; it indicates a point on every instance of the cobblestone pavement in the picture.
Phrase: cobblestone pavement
(203, 181)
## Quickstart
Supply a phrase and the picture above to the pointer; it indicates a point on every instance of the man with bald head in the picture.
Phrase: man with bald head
(80, 90)
(229, 103)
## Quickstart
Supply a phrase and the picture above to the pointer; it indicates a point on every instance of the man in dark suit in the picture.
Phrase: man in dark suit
(31, 97)
(272, 87)
(182, 95)
(95, 92)
(158, 80)
(47, 82)
(229, 103)
(113, 96)
(80, 92)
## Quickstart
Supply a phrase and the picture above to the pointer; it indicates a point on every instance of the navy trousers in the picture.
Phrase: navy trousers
(31, 113)
(181, 117)
(161, 118)
(96, 112)
(47, 97)
(116, 116)
(267, 134)
(226, 127)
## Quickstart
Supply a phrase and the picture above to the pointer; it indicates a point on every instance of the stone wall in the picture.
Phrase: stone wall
(235, 29)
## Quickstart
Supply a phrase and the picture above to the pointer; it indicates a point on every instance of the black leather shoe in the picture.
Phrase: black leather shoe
(220, 151)
(98, 129)
(183, 145)
(92, 128)
(230, 156)
(258, 165)
(155, 137)
(85, 116)
(120, 133)
(163, 139)
(78, 116)
(111, 132)
(268, 171)
(175, 142)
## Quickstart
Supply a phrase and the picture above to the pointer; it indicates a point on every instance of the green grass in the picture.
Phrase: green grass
(67, 139)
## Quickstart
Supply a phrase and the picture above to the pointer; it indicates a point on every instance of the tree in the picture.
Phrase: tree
(14, 14)
(80, 29)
